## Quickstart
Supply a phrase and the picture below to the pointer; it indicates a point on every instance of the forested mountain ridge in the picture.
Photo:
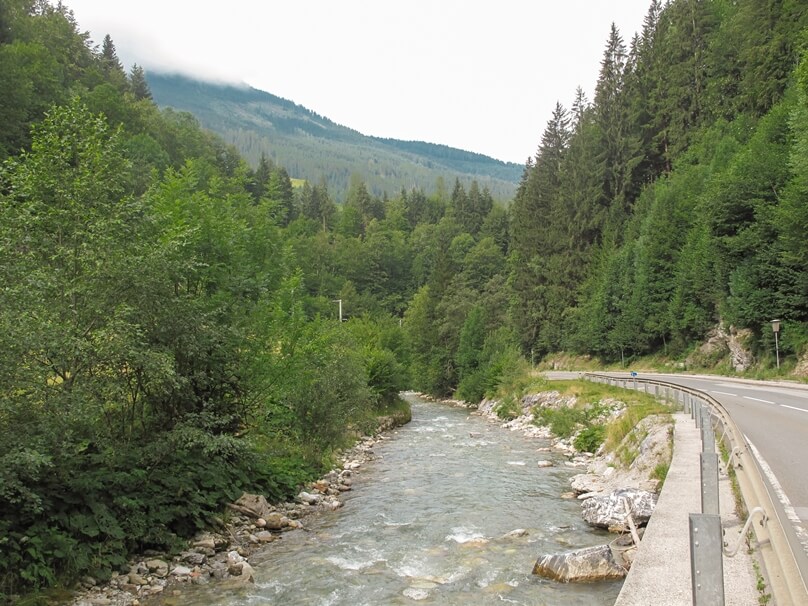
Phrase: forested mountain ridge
(313, 147)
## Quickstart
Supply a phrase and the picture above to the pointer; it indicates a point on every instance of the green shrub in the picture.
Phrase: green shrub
(562, 421)
(472, 386)
(590, 439)
(508, 408)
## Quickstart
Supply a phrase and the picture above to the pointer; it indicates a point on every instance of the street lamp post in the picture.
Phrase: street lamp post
(776, 330)
(340, 308)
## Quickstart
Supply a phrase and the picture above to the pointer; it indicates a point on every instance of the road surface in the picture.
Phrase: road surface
(774, 420)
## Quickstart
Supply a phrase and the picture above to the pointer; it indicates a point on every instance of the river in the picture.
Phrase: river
(425, 524)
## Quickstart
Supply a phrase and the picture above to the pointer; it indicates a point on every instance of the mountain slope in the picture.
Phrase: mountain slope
(311, 146)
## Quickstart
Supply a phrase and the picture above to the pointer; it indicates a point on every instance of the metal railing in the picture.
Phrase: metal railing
(707, 546)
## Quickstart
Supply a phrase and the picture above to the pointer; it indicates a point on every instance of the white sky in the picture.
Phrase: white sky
(477, 75)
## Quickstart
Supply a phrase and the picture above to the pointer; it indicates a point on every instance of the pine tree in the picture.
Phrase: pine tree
(137, 83)
(280, 189)
(611, 117)
(260, 178)
(111, 66)
(537, 227)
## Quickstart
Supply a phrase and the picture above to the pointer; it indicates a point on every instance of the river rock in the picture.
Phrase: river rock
(136, 579)
(308, 498)
(234, 557)
(193, 557)
(218, 570)
(580, 566)
(207, 542)
(181, 571)
(544, 463)
(332, 504)
(274, 521)
(253, 505)
(158, 568)
(515, 534)
(265, 536)
(611, 511)
(245, 575)
(586, 483)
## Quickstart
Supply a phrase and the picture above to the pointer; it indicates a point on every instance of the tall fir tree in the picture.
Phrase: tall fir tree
(138, 84)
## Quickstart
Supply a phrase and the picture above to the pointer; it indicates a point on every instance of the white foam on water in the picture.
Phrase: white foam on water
(415, 594)
(463, 535)
(354, 564)
(411, 568)
(519, 463)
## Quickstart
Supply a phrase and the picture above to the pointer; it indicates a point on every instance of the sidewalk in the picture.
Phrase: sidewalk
(660, 574)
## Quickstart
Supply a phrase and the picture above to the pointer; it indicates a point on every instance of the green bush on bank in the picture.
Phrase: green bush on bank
(584, 417)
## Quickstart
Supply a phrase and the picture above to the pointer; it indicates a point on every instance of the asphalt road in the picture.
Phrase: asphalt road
(774, 419)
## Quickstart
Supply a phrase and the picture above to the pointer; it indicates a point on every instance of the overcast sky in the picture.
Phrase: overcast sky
(478, 75)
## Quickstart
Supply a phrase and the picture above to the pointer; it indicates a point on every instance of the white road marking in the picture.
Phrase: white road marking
(796, 522)
(758, 400)
(793, 407)
(724, 393)
(793, 392)
(736, 386)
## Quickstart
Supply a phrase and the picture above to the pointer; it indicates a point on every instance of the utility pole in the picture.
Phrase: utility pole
(340, 307)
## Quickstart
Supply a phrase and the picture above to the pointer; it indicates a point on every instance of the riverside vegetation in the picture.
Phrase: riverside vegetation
(623, 439)
(168, 313)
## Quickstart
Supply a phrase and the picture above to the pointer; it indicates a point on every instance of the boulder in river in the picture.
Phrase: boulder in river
(580, 566)
(612, 511)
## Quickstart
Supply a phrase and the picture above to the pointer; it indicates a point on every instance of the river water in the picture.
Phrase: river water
(425, 524)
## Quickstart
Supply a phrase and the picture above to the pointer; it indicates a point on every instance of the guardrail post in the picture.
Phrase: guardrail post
(709, 482)
(697, 413)
(706, 563)
(707, 433)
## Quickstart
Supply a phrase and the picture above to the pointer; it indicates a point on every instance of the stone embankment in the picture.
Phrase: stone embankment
(223, 555)
(617, 490)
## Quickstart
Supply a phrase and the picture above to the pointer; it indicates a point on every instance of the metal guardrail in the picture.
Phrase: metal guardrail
(775, 544)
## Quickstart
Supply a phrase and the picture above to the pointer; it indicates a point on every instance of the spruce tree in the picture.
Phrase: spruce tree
(138, 85)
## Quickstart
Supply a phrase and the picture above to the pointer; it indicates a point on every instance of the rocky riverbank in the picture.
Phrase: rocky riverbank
(618, 489)
(222, 555)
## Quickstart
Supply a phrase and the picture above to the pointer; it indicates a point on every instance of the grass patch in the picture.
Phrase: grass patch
(661, 472)
(635, 412)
